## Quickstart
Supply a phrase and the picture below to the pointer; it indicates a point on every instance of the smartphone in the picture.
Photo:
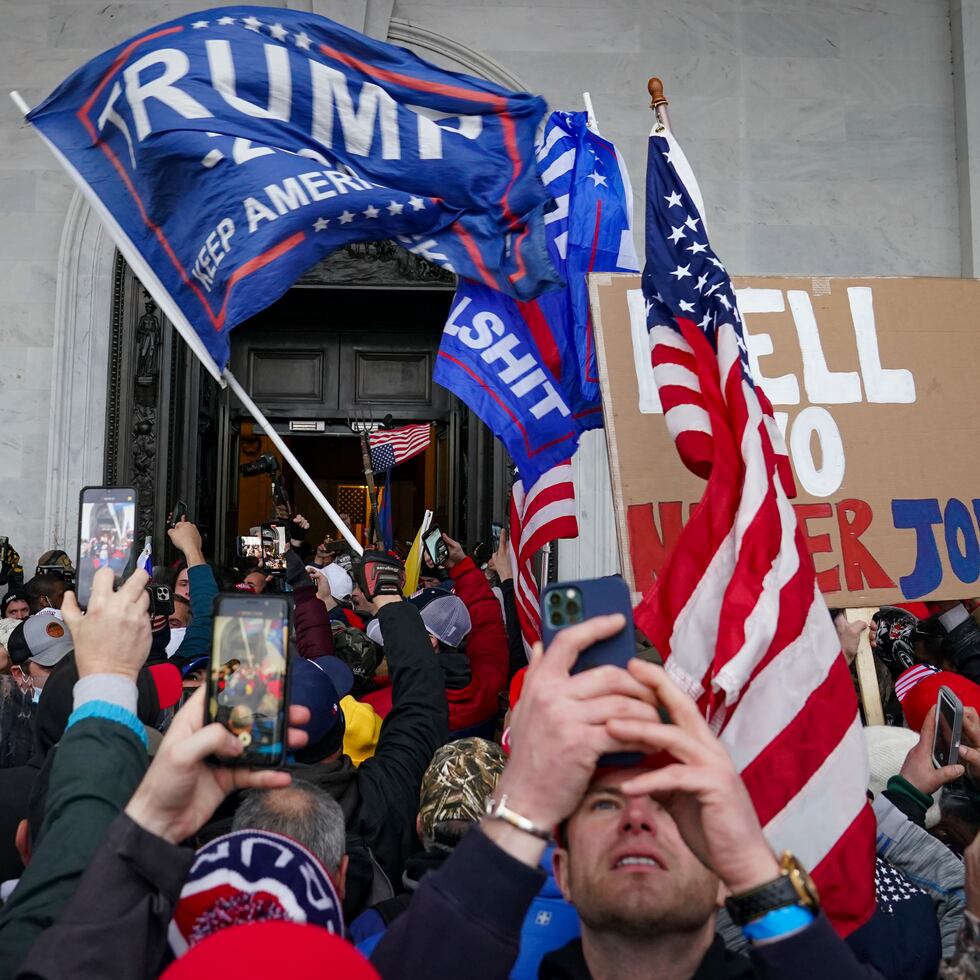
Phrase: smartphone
(273, 536)
(177, 514)
(106, 528)
(949, 725)
(495, 530)
(161, 599)
(435, 547)
(564, 604)
(247, 675)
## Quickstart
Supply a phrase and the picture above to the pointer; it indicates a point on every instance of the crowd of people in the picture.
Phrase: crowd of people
(449, 806)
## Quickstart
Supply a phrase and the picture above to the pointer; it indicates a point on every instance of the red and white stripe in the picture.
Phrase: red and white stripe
(406, 442)
(743, 628)
(544, 513)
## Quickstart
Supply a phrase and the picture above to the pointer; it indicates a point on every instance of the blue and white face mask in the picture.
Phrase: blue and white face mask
(36, 693)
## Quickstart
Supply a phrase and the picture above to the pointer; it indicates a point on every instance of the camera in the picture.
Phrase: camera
(266, 463)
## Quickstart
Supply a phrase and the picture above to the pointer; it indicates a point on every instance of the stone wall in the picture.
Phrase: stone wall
(825, 137)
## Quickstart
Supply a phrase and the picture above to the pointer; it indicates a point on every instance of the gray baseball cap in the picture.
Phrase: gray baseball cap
(43, 639)
(444, 615)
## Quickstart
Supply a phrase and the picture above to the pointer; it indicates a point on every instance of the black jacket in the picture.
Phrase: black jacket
(962, 645)
(380, 799)
(719, 963)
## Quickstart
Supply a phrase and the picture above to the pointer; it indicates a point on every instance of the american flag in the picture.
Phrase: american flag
(544, 513)
(389, 447)
(735, 611)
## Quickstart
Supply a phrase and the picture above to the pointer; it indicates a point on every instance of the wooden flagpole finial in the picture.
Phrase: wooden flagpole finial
(656, 89)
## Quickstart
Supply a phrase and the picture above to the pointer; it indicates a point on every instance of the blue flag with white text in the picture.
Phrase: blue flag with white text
(528, 368)
(228, 151)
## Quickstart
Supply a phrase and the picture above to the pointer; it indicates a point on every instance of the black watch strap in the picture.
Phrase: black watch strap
(752, 905)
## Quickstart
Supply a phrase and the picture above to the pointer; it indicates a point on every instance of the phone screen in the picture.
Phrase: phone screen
(247, 674)
(435, 546)
(249, 546)
(495, 530)
(946, 744)
(106, 527)
(274, 547)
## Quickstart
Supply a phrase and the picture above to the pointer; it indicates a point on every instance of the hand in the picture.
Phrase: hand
(918, 768)
(971, 862)
(849, 634)
(113, 637)
(298, 526)
(186, 538)
(701, 790)
(323, 592)
(180, 791)
(456, 553)
(559, 727)
(500, 562)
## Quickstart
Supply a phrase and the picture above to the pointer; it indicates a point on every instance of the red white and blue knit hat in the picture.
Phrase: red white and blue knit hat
(253, 876)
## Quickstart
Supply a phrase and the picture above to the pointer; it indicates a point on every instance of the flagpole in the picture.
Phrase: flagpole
(372, 490)
(591, 121)
(659, 103)
(287, 454)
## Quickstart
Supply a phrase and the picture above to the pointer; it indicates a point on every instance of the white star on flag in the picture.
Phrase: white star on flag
(686, 307)
(676, 234)
(320, 224)
(714, 261)
(226, 21)
(198, 24)
(252, 23)
(371, 211)
(723, 299)
(395, 208)
(706, 322)
(674, 200)
(692, 223)
(278, 32)
(597, 179)
(302, 40)
(702, 282)
(682, 272)
(417, 203)
(346, 218)
(697, 247)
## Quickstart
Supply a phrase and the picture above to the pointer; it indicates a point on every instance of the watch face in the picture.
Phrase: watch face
(802, 883)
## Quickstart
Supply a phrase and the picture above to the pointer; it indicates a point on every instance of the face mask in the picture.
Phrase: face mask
(176, 638)
(36, 694)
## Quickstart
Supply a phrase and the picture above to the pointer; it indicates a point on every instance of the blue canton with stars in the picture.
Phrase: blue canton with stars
(230, 150)
(382, 457)
(682, 276)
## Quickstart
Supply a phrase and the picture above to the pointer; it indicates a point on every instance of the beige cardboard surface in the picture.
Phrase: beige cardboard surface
(875, 384)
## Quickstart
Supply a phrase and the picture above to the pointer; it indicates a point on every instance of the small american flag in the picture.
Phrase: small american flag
(735, 611)
(546, 512)
(389, 447)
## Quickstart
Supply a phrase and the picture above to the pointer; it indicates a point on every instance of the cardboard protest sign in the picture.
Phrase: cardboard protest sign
(873, 383)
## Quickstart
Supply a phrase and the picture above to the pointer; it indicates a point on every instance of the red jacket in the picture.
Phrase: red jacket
(486, 647)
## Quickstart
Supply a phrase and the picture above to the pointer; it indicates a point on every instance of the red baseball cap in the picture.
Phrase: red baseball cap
(917, 690)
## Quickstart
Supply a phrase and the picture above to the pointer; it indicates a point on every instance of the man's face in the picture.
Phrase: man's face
(182, 586)
(626, 868)
(18, 609)
(256, 580)
(30, 675)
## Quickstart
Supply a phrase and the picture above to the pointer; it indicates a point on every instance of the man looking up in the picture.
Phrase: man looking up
(645, 851)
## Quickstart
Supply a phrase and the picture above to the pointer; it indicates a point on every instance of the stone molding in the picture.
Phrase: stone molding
(80, 366)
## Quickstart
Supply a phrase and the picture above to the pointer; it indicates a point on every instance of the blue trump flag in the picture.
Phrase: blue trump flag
(228, 151)
(527, 367)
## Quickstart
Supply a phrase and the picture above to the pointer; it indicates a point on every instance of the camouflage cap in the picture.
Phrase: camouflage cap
(459, 780)
(357, 650)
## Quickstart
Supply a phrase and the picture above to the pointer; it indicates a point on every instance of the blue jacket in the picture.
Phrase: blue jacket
(203, 589)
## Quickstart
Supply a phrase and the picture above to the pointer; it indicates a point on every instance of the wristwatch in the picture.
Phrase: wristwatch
(793, 887)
